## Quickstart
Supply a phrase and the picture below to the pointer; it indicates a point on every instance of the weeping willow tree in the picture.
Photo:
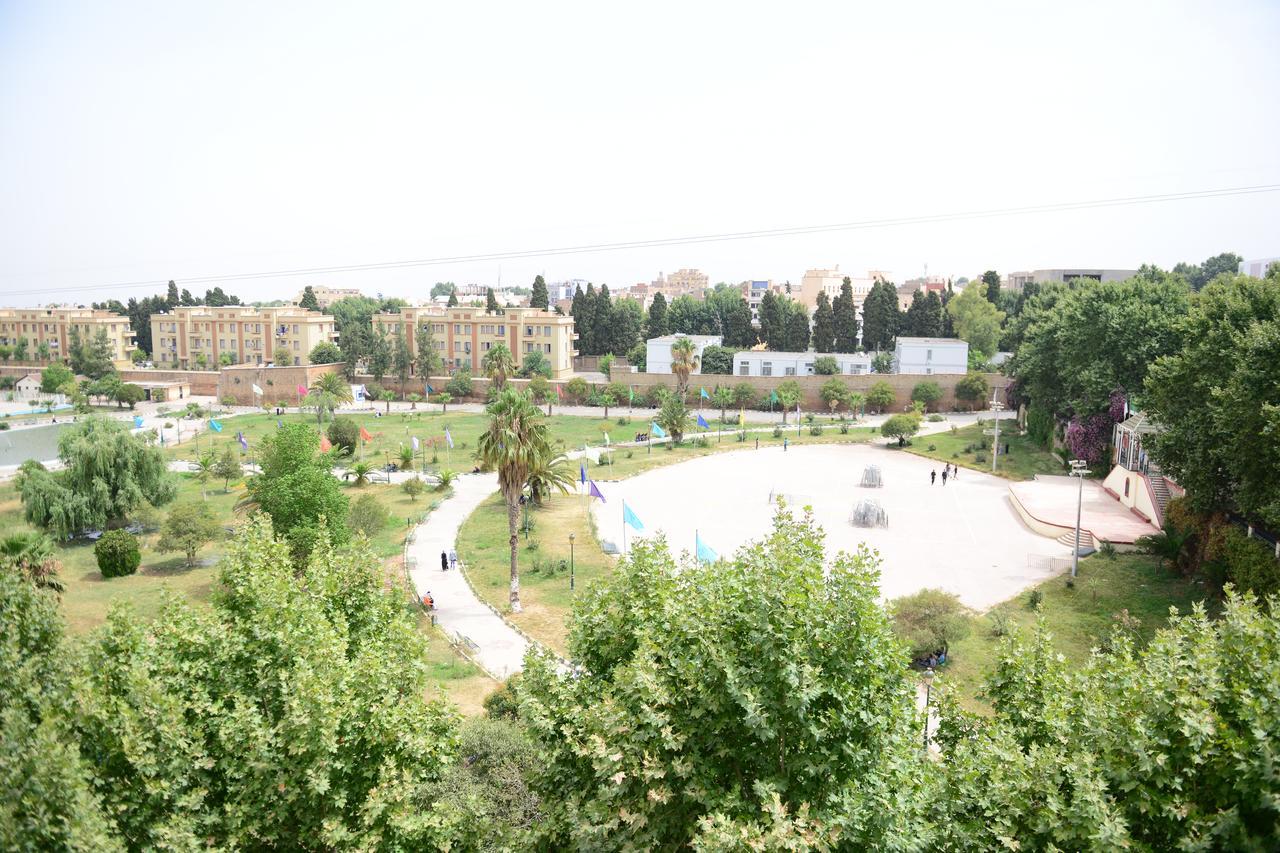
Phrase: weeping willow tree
(108, 473)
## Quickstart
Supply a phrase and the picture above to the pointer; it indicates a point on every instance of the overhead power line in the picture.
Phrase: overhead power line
(1123, 201)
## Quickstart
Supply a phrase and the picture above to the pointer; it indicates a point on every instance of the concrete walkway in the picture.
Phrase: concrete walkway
(495, 645)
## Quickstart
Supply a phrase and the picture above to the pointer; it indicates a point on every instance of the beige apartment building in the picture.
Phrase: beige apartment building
(199, 336)
(464, 334)
(829, 282)
(326, 296)
(53, 326)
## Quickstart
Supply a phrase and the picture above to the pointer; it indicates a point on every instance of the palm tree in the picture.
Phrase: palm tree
(547, 476)
(444, 398)
(515, 443)
(498, 364)
(361, 472)
(387, 396)
(406, 458)
(1166, 545)
(328, 392)
(684, 360)
(204, 465)
(32, 555)
(722, 397)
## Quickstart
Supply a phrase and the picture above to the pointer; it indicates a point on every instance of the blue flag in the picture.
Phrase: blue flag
(596, 493)
(702, 422)
(430, 390)
(279, 424)
(703, 393)
(215, 426)
(705, 553)
(582, 473)
(658, 431)
(137, 421)
(631, 518)
(244, 442)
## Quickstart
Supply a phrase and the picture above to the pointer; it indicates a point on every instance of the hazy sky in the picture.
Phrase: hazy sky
(143, 141)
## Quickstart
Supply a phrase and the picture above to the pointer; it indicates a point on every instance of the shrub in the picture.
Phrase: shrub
(505, 701)
(4, 425)
(445, 479)
(844, 428)
(413, 487)
(1106, 549)
(901, 426)
(577, 389)
(999, 623)
(345, 434)
(932, 447)
(1034, 599)
(972, 388)
(459, 387)
(228, 400)
(929, 620)
(825, 365)
(816, 429)
(926, 393)
(777, 432)
(935, 418)
(1249, 564)
(367, 515)
(979, 457)
(117, 554)
(701, 441)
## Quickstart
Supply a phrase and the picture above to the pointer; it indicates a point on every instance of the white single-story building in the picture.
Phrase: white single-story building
(28, 387)
(765, 363)
(931, 355)
(657, 357)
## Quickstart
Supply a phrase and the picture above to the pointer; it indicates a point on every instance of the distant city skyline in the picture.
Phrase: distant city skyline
(142, 143)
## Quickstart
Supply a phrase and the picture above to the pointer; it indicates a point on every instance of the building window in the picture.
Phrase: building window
(502, 330)
(744, 369)
(485, 346)
(528, 331)
(808, 368)
(766, 368)
(928, 355)
(528, 347)
(548, 347)
(457, 328)
(546, 330)
(789, 371)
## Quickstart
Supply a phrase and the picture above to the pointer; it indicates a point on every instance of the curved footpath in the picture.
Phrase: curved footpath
(495, 645)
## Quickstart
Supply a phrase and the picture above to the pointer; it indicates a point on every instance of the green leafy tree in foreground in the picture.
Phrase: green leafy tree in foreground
(291, 713)
(325, 352)
(227, 468)
(926, 393)
(976, 321)
(1170, 747)
(901, 426)
(880, 396)
(327, 393)
(788, 396)
(833, 392)
(515, 442)
(107, 474)
(47, 800)
(686, 721)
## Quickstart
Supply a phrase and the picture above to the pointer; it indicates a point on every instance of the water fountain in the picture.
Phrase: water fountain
(871, 478)
(868, 513)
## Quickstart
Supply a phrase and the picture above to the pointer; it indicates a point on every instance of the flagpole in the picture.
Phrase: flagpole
(624, 528)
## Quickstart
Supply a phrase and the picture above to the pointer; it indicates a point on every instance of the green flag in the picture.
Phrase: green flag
(773, 397)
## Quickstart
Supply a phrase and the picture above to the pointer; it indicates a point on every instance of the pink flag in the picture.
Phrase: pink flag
(302, 391)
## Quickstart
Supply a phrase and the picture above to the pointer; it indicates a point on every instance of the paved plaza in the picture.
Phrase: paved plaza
(964, 537)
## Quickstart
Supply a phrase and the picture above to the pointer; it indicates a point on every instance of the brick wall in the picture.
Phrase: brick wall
(202, 382)
(278, 384)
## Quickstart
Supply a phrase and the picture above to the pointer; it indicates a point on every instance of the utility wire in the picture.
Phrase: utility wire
(1123, 201)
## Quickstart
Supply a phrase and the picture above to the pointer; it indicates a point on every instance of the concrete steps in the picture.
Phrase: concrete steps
(1087, 543)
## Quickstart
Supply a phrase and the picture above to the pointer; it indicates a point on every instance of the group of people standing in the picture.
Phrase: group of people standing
(948, 470)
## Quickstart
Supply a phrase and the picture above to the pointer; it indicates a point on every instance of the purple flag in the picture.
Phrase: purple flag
(595, 493)
(244, 442)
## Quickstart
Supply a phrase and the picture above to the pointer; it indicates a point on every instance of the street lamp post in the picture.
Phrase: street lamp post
(570, 562)
(928, 693)
(1079, 468)
(996, 408)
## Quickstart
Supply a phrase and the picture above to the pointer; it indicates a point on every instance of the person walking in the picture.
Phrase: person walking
(444, 562)
(944, 476)
(453, 559)
(933, 477)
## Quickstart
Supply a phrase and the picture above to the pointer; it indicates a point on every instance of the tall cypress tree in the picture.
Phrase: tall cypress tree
(845, 319)
(772, 330)
(539, 298)
(171, 295)
(490, 301)
(991, 279)
(307, 301)
(912, 321)
(931, 316)
(880, 316)
(587, 318)
(602, 316)
(738, 332)
(824, 336)
(453, 298)
(797, 325)
(657, 325)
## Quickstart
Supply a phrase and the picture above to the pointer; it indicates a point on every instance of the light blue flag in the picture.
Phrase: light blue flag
(705, 552)
(215, 426)
(704, 394)
(631, 518)
(448, 438)
(658, 431)
(702, 422)
(137, 421)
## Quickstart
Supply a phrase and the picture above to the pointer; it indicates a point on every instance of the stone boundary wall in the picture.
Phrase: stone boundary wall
(202, 382)
(279, 384)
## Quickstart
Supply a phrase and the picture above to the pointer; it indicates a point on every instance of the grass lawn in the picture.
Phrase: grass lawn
(1023, 461)
(544, 585)
(1079, 619)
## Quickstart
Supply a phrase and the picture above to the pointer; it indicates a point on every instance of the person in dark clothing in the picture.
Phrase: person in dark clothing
(944, 476)
(933, 477)
(444, 561)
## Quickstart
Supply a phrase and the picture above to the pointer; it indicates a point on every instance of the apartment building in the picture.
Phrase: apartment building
(326, 296)
(1016, 281)
(53, 327)
(463, 334)
(200, 335)
(829, 281)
